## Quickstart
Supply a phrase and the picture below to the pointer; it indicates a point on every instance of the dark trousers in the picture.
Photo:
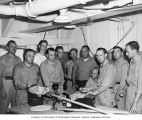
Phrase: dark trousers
(81, 83)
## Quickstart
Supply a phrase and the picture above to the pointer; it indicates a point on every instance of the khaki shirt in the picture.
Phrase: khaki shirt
(24, 75)
(134, 82)
(83, 68)
(134, 78)
(51, 72)
(122, 67)
(106, 77)
(7, 64)
(105, 94)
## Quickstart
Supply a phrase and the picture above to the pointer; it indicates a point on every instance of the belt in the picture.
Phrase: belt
(110, 88)
(81, 80)
(68, 79)
(8, 77)
(117, 83)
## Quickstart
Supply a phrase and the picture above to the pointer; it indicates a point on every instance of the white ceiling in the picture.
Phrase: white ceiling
(81, 14)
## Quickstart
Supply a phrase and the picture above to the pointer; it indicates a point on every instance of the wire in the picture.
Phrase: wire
(44, 35)
(125, 35)
(85, 41)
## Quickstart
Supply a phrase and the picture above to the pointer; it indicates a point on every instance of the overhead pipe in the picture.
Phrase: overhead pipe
(38, 7)
(48, 18)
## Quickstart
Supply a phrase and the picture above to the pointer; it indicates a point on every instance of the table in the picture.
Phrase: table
(26, 109)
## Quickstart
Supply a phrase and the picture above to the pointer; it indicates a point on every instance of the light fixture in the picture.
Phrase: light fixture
(63, 18)
(70, 26)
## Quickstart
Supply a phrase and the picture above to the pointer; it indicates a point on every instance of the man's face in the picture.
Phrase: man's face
(43, 46)
(100, 56)
(117, 53)
(130, 52)
(12, 48)
(73, 54)
(85, 52)
(29, 57)
(51, 55)
(60, 53)
(94, 74)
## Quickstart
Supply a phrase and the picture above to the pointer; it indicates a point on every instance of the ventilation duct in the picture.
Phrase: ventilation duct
(63, 17)
(38, 7)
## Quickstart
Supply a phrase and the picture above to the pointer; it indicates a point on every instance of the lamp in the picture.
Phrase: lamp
(70, 26)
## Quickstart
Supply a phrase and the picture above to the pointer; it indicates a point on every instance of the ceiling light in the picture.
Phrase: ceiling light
(70, 26)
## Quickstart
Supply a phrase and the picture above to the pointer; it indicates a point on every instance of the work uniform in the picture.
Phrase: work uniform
(134, 84)
(122, 67)
(24, 76)
(83, 70)
(7, 96)
(106, 82)
(52, 72)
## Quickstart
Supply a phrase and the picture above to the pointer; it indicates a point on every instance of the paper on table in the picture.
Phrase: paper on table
(41, 108)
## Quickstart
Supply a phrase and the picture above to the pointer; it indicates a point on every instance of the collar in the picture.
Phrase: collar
(136, 59)
(7, 54)
(51, 62)
(86, 59)
(57, 58)
(104, 63)
(26, 65)
(119, 60)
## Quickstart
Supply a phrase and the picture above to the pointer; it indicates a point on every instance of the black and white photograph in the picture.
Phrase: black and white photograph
(70, 59)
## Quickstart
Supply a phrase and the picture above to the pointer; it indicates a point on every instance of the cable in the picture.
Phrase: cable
(85, 41)
(124, 36)
(44, 35)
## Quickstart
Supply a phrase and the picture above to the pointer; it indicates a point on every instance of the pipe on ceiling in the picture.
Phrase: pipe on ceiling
(48, 18)
(38, 7)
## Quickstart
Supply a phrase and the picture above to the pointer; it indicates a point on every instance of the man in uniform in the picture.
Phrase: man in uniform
(51, 71)
(104, 93)
(7, 63)
(122, 67)
(25, 75)
(134, 79)
(83, 67)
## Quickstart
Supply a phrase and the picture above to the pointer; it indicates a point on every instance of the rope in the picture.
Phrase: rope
(125, 35)
(85, 41)
(44, 35)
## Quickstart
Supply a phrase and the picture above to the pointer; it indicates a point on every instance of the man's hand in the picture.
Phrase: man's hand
(89, 96)
(134, 109)
(74, 85)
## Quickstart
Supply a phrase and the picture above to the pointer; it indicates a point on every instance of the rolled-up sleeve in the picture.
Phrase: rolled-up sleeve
(17, 79)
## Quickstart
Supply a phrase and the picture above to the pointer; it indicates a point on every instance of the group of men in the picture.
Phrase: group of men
(118, 83)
